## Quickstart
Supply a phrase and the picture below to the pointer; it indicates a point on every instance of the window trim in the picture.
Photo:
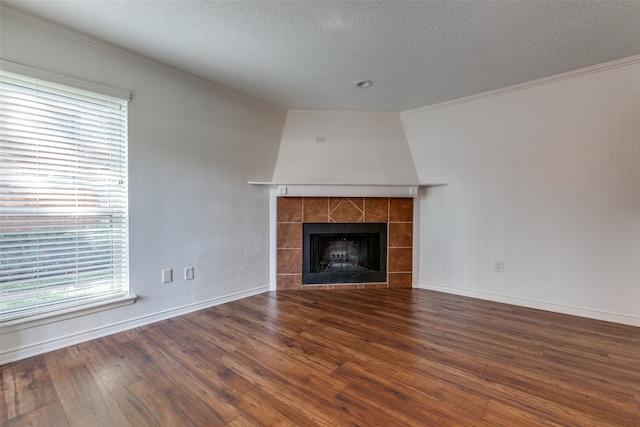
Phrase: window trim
(81, 85)
(45, 318)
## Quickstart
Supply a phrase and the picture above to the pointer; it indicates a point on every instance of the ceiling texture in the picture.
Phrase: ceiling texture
(306, 55)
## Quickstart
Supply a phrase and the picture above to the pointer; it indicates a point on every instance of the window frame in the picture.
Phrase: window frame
(56, 313)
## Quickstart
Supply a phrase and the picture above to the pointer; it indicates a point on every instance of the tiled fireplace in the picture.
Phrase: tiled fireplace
(293, 212)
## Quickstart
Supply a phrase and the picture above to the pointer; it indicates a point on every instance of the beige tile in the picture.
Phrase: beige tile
(289, 209)
(400, 234)
(315, 209)
(289, 282)
(400, 260)
(289, 261)
(400, 280)
(289, 235)
(345, 210)
(376, 209)
(400, 210)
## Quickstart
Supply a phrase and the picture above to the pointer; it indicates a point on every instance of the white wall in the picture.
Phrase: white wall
(545, 178)
(359, 148)
(192, 149)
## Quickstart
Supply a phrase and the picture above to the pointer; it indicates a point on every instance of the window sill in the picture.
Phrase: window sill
(64, 314)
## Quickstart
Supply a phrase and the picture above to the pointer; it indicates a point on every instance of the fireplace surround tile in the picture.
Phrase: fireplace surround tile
(290, 235)
(289, 261)
(376, 209)
(289, 209)
(400, 234)
(358, 202)
(315, 209)
(400, 210)
(292, 212)
(400, 280)
(400, 260)
(346, 209)
(289, 282)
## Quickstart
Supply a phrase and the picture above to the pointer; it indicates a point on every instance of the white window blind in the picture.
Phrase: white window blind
(63, 197)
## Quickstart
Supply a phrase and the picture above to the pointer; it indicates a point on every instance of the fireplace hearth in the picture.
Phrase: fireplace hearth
(344, 253)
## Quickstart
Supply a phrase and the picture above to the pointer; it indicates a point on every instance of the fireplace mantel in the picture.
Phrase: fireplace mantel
(297, 189)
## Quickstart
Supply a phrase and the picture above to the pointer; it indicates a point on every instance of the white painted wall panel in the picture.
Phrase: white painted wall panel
(192, 149)
(546, 179)
(359, 148)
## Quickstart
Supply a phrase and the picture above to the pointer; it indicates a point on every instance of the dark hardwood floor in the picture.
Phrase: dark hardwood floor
(388, 357)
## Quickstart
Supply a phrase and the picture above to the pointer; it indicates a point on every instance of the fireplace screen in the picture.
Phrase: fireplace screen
(344, 253)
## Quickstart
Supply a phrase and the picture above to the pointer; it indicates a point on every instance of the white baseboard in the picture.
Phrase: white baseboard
(540, 305)
(11, 355)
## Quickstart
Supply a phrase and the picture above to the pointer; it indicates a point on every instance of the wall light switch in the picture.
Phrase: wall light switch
(189, 273)
(167, 276)
(499, 266)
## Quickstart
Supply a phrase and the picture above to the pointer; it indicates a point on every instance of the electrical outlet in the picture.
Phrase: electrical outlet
(499, 266)
(189, 273)
(167, 275)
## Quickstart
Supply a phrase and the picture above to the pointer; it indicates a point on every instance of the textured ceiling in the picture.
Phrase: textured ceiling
(308, 54)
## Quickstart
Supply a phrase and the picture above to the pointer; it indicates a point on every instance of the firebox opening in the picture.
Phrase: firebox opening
(344, 253)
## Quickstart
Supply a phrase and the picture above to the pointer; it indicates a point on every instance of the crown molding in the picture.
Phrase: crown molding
(593, 69)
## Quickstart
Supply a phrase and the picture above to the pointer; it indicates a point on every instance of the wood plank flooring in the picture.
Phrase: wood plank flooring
(376, 357)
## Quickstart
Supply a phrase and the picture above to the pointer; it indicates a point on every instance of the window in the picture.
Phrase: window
(63, 197)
